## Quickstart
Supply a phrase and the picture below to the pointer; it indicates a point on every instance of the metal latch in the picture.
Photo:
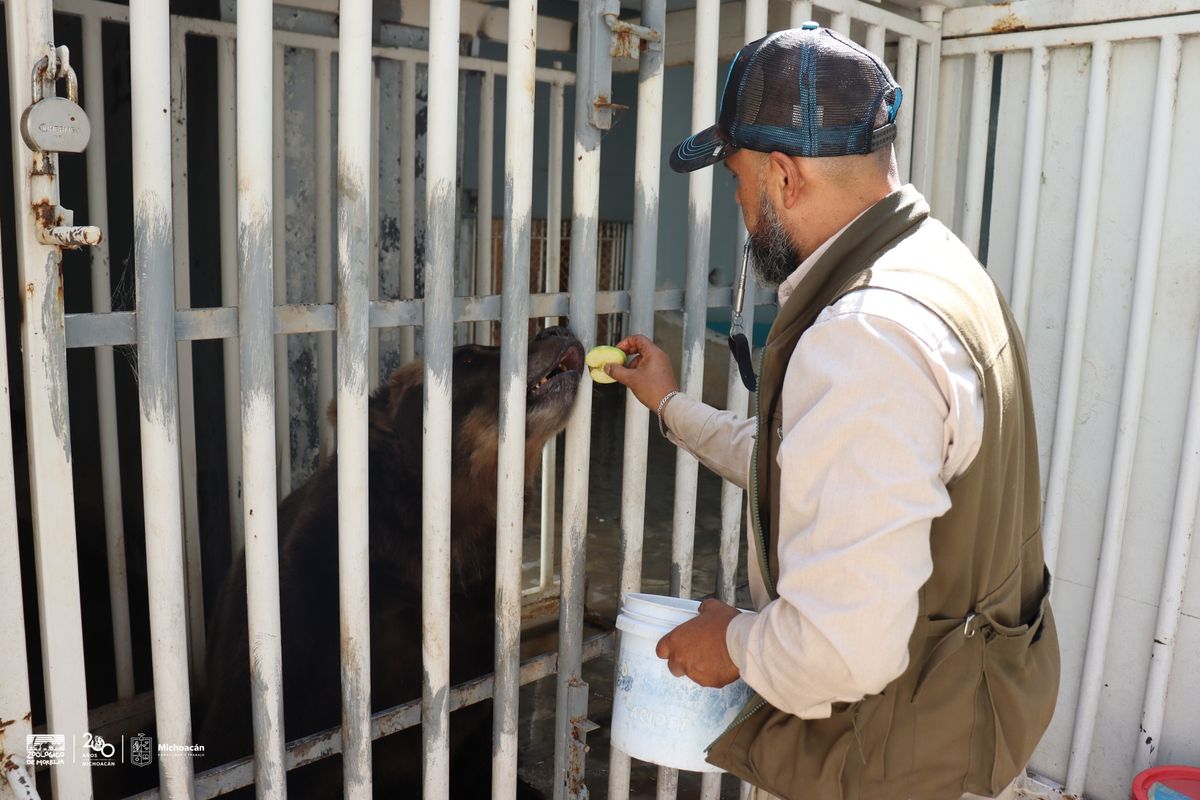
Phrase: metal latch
(629, 39)
(53, 125)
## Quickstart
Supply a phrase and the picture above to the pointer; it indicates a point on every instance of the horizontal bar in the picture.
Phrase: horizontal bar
(195, 324)
(324, 44)
(1077, 36)
(873, 15)
(308, 749)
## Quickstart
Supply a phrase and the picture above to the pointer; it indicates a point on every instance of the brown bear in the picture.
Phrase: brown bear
(309, 577)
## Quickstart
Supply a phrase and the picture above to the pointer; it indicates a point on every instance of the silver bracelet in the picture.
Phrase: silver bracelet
(662, 405)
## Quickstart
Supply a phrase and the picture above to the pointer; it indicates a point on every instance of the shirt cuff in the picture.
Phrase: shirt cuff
(737, 634)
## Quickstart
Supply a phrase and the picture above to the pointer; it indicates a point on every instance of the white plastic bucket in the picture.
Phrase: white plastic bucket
(657, 717)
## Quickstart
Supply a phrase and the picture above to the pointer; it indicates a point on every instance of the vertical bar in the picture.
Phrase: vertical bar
(876, 39)
(149, 28)
(737, 399)
(551, 285)
(929, 56)
(354, 221)
(977, 139)
(43, 347)
(801, 12)
(585, 200)
(906, 67)
(1031, 184)
(255, 84)
(15, 708)
(283, 416)
(1133, 382)
(841, 23)
(704, 110)
(183, 355)
(408, 194)
(1077, 300)
(646, 174)
(441, 171)
(323, 145)
(514, 328)
(1183, 518)
(373, 375)
(483, 215)
(106, 398)
(227, 164)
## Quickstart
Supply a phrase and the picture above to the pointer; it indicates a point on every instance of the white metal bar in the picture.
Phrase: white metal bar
(1133, 385)
(1077, 301)
(704, 110)
(43, 347)
(440, 174)
(227, 212)
(906, 74)
(106, 399)
(283, 416)
(149, 28)
(667, 784)
(568, 752)
(550, 283)
(510, 487)
(876, 39)
(801, 12)
(929, 55)
(373, 252)
(872, 14)
(354, 222)
(1069, 36)
(483, 216)
(408, 194)
(710, 785)
(755, 25)
(183, 354)
(647, 171)
(977, 139)
(255, 84)
(1031, 185)
(1175, 576)
(323, 147)
(15, 708)
(841, 23)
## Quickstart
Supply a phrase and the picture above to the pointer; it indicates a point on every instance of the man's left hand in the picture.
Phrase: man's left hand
(697, 647)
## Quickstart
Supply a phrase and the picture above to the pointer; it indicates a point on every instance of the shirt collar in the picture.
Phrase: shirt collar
(792, 281)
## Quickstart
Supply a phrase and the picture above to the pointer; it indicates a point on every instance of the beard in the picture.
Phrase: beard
(775, 256)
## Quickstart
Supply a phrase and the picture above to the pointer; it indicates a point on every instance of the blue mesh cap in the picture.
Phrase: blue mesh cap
(805, 92)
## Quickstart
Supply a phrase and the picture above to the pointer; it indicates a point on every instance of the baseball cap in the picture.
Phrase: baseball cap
(806, 92)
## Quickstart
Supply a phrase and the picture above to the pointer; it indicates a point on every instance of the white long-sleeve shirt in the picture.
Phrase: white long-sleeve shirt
(881, 409)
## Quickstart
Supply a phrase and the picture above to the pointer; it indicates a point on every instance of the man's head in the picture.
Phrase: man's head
(806, 125)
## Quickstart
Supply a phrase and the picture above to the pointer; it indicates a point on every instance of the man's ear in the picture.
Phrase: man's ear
(788, 177)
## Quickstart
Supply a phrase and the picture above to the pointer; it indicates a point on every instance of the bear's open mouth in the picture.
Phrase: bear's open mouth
(567, 367)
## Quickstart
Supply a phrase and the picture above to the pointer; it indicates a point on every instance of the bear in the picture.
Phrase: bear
(309, 577)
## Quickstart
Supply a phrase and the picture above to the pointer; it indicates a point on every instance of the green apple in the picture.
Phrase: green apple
(600, 356)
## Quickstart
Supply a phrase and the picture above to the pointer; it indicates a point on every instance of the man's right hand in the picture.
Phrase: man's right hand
(650, 376)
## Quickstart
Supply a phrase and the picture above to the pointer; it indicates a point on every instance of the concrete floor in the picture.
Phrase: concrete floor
(536, 754)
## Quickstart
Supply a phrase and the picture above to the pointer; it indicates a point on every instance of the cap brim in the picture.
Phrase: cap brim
(701, 150)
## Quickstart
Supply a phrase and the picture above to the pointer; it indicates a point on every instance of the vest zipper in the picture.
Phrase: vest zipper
(763, 563)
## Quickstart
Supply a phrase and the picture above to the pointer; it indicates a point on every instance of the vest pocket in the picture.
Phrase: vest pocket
(1020, 668)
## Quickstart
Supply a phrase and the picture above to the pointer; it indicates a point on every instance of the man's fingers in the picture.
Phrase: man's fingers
(618, 373)
(663, 648)
(676, 670)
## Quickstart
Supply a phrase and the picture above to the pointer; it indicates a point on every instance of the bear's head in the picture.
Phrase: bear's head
(555, 366)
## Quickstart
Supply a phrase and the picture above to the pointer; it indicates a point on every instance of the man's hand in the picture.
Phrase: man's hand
(697, 647)
(650, 377)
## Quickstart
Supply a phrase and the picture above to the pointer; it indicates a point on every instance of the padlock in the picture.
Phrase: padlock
(55, 124)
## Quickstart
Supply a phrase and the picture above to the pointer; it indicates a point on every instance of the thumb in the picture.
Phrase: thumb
(619, 373)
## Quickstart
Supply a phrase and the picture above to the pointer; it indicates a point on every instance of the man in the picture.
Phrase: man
(903, 645)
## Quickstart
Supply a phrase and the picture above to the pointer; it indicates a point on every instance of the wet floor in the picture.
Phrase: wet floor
(603, 575)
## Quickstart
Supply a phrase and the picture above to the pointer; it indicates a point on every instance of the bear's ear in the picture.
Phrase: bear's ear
(404, 393)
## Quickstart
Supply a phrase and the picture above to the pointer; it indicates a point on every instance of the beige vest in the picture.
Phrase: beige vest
(982, 678)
